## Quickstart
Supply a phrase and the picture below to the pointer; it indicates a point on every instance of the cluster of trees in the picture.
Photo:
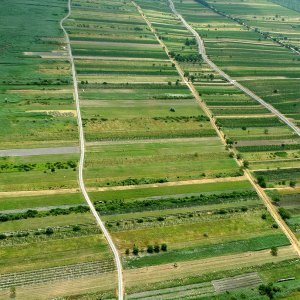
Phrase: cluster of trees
(150, 249)
(190, 42)
(268, 290)
(193, 57)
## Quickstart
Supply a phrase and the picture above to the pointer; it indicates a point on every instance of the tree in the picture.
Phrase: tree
(246, 164)
(269, 290)
(211, 77)
(150, 249)
(127, 251)
(264, 216)
(164, 247)
(156, 249)
(274, 251)
(284, 213)
(293, 183)
(135, 250)
(261, 181)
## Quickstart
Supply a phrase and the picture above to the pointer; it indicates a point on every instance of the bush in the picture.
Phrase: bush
(127, 251)
(76, 228)
(49, 231)
(264, 216)
(2, 236)
(274, 251)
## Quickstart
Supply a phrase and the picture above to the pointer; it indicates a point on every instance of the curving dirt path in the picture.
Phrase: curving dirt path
(81, 161)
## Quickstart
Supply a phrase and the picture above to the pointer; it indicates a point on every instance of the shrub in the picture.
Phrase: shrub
(127, 251)
(2, 236)
(264, 216)
(76, 228)
(49, 231)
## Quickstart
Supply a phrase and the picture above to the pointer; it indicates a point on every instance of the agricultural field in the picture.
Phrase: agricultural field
(36, 95)
(179, 163)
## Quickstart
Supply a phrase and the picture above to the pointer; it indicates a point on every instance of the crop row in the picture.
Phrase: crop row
(55, 274)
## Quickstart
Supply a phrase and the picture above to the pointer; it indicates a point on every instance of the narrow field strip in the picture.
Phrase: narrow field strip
(55, 274)
(203, 266)
(121, 188)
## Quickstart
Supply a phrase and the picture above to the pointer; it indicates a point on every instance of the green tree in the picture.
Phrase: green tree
(164, 247)
(274, 251)
(150, 249)
(156, 249)
(135, 250)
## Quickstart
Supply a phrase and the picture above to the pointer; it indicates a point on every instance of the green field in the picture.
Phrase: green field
(174, 196)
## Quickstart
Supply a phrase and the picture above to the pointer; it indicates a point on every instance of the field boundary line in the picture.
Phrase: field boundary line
(121, 187)
(267, 201)
(81, 161)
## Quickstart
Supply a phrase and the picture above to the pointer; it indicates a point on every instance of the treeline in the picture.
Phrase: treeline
(120, 206)
(31, 213)
(268, 148)
(199, 118)
(51, 166)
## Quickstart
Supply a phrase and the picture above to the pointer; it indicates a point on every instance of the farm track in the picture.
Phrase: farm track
(267, 201)
(202, 51)
(122, 187)
(39, 151)
(81, 161)
(150, 141)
